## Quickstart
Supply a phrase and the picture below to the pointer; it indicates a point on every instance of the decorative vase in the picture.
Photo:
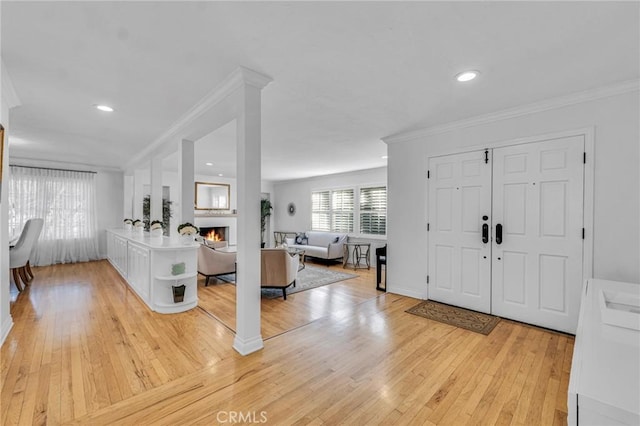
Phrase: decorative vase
(139, 230)
(127, 227)
(156, 233)
(187, 239)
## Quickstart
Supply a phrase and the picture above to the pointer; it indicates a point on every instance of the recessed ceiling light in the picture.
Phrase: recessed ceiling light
(104, 108)
(467, 75)
(209, 164)
(385, 156)
(219, 174)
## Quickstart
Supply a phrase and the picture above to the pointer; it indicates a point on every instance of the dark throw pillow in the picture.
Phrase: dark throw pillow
(301, 238)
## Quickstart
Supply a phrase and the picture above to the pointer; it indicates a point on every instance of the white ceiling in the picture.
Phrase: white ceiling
(344, 74)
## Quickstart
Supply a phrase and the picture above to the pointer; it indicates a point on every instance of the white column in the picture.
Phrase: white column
(248, 338)
(156, 190)
(128, 197)
(186, 177)
(141, 177)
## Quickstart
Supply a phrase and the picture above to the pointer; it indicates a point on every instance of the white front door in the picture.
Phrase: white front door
(459, 260)
(538, 203)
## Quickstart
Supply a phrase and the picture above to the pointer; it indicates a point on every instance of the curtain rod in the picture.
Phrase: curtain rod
(51, 168)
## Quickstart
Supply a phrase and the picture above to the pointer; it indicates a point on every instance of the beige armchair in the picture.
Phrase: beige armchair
(213, 262)
(278, 269)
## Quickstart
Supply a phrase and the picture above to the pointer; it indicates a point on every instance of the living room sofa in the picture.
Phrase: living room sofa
(324, 245)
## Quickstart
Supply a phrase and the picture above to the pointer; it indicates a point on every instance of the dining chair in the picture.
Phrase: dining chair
(20, 253)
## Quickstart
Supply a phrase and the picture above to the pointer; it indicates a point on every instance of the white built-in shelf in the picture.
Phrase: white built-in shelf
(177, 277)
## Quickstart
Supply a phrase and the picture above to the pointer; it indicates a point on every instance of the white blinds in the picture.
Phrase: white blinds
(373, 210)
(321, 211)
(342, 214)
(336, 210)
(66, 200)
(332, 210)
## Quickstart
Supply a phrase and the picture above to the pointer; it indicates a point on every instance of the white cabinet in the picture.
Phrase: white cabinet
(604, 386)
(138, 263)
(146, 264)
(117, 252)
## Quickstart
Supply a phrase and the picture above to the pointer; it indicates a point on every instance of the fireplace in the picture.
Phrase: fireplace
(214, 233)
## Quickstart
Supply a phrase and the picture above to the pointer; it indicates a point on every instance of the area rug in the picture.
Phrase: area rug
(310, 277)
(458, 317)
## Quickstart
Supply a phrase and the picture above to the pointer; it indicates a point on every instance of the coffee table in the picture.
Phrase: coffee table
(293, 251)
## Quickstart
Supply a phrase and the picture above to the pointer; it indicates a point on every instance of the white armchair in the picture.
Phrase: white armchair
(20, 253)
(213, 262)
(278, 269)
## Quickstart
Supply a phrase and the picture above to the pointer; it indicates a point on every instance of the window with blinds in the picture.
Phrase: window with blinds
(342, 204)
(332, 210)
(373, 210)
(321, 211)
(337, 211)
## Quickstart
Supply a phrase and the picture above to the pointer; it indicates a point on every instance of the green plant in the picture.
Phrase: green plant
(167, 214)
(265, 212)
(187, 229)
(156, 224)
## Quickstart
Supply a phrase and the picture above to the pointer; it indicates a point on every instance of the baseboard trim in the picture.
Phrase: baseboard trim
(409, 292)
(246, 347)
(7, 325)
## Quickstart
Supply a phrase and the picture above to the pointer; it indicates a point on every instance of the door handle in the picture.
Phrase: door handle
(499, 234)
(485, 233)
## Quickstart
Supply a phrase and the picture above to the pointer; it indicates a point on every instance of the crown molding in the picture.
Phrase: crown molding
(9, 93)
(237, 79)
(536, 107)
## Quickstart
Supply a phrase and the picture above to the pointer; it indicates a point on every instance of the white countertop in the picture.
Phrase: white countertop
(156, 243)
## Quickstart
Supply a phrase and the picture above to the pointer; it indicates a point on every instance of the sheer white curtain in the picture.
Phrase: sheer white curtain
(66, 200)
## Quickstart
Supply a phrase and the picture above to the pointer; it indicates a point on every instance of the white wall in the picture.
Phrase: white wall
(6, 322)
(616, 228)
(8, 99)
(299, 193)
(110, 202)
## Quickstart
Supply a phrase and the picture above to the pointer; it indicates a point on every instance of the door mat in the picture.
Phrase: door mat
(458, 317)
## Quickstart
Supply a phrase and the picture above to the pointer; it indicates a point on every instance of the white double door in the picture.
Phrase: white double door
(506, 231)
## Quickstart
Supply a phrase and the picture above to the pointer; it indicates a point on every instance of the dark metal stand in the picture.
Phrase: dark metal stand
(381, 259)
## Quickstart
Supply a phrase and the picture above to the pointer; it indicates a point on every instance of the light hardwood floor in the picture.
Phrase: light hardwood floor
(85, 350)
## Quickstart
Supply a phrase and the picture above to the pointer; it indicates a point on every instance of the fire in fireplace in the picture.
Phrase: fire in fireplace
(215, 233)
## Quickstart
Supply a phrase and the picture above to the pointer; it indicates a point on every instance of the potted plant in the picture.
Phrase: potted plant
(265, 212)
(128, 224)
(138, 226)
(187, 232)
(156, 228)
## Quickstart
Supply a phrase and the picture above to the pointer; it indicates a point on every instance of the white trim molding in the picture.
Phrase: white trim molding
(549, 104)
(7, 325)
(246, 347)
(241, 76)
